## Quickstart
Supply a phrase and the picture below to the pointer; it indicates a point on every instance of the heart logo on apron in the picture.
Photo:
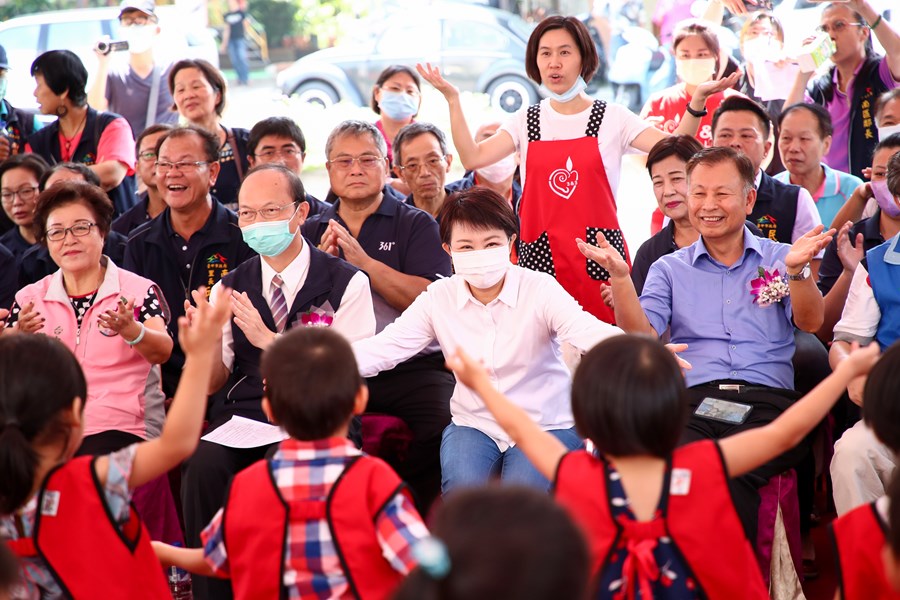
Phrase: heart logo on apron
(564, 181)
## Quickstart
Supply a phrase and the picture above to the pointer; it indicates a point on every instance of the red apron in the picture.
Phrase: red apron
(567, 195)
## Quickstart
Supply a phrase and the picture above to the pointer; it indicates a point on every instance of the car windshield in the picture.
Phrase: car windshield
(521, 27)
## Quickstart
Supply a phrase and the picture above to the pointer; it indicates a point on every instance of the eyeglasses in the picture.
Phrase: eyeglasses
(432, 164)
(837, 27)
(25, 194)
(184, 166)
(80, 229)
(366, 161)
(249, 215)
(289, 152)
(147, 155)
(135, 20)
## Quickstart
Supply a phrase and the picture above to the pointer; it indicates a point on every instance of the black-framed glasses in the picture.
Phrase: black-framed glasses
(147, 156)
(289, 152)
(269, 213)
(80, 229)
(432, 164)
(366, 161)
(25, 194)
(182, 166)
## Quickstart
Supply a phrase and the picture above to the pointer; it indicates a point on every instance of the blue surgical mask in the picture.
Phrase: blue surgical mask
(398, 106)
(269, 238)
(578, 87)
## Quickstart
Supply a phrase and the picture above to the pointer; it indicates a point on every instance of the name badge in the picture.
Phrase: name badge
(50, 503)
(681, 482)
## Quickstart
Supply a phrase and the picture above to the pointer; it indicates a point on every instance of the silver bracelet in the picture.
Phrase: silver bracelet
(139, 337)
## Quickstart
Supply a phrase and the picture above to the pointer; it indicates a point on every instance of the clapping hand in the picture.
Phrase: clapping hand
(349, 245)
(203, 331)
(605, 255)
(29, 320)
(121, 320)
(248, 319)
(807, 247)
(468, 371)
(849, 253)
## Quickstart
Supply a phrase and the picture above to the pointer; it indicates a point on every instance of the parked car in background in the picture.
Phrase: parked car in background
(27, 37)
(478, 49)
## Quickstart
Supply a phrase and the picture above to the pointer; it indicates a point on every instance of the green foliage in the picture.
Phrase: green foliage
(278, 17)
(8, 10)
(328, 20)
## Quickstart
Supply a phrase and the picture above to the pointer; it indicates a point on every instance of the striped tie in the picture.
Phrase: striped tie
(278, 304)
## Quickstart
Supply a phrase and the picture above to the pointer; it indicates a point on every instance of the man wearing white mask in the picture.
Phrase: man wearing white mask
(136, 89)
(499, 176)
(515, 317)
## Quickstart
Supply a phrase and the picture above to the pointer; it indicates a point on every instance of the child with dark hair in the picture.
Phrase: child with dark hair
(69, 520)
(659, 519)
(500, 543)
(339, 523)
(860, 535)
(9, 573)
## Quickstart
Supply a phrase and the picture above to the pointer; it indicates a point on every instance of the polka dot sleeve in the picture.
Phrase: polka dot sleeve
(13, 315)
(153, 306)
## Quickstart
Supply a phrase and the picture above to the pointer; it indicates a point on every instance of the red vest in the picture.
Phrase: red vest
(87, 553)
(355, 500)
(701, 521)
(859, 538)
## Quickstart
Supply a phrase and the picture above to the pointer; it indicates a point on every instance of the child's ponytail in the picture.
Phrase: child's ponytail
(39, 381)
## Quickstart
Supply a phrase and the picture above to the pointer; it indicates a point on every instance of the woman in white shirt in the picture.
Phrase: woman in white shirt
(511, 318)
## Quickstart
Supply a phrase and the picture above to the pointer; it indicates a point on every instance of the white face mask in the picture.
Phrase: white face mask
(482, 268)
(694, 71)
(139, 37)
(501, 170)
(887, 130)
(761, 48)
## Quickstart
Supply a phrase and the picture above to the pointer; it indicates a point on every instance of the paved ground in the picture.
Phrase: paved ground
(247, 105)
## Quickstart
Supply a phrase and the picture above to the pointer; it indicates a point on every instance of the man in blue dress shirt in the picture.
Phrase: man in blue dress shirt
(740, 343)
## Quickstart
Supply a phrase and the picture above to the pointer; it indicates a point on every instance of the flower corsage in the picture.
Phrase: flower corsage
(322, 316)
(770, 287)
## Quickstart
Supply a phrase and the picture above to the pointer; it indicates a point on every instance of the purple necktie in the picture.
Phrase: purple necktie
(278, 304)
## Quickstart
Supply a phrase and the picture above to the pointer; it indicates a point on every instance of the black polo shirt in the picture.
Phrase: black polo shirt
(831, 267)
(134, 217)
(401, 236)
(15, 243)
(8, 284)
(411, 200)
(316, 206)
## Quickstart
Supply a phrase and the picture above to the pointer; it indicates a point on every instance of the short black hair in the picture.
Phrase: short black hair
(294, 183)
(821, 114)
(411, 132)
(63, 71)
(34, 163)
(387, 74)
(31, 407)
(891, 141)
(152, 130)
(209, 140)
(504, 543)
(629, 397)
(590, 60)
(282, 127)
(311, 382)
(477, 207)
(880, 409)
(73, 192)
(738, 103)
(81, 169)
(682, 146)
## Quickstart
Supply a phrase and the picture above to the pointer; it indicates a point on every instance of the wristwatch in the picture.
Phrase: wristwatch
(804, 274)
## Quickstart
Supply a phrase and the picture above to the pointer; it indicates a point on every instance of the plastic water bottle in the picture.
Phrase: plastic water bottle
(180, 584)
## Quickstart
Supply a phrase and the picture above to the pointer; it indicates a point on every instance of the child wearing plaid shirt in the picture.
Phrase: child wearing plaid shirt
(336, 523)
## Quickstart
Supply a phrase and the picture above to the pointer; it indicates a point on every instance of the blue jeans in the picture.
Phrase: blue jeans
(470, 458)
(237, 53)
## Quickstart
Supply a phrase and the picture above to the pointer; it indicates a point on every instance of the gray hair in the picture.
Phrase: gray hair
(355, 128)
(414, 130)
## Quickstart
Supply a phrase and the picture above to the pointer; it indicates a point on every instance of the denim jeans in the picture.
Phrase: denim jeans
(470, 458)
(237, 54)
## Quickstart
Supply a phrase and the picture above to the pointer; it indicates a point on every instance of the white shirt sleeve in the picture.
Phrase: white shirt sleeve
(227, 337)
(570, 322)
(807, 217)
(408, 335)
(859, 321)
(355, 319)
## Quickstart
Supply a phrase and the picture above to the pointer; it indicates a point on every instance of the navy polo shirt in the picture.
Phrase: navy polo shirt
(401, 236)
(831, 267)
(15, 243)
(316, 206)
(8, 287)
(134, 217)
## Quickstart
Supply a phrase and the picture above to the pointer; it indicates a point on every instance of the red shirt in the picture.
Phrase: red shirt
(664, 109)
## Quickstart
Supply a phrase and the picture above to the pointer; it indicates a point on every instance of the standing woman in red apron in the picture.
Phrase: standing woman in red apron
(571, 147)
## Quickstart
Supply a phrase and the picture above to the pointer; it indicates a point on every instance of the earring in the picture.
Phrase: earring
(61, 110)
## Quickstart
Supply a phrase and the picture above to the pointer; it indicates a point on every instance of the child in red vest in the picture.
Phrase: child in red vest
(659, 518)
(318, 518)
(860, 535)
(9, 573)
(70, 521)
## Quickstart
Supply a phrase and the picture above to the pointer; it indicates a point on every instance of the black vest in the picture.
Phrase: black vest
(19, 125)
(867, 86)
(46, 143)
(326, 281)
(775, 210)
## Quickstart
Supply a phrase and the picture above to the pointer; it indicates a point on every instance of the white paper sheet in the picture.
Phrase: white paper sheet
(773, 82)
(240, 432)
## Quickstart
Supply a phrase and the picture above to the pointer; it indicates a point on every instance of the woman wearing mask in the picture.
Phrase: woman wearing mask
(696, 50)
(396, 98)
(571, 149)
(517, 316)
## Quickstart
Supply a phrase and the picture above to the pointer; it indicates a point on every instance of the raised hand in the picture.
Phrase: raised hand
(805, 248)
(849, 254)
(121, 320)
(714, 86)
(203, 332)
(605, 255)
(861, 360)
(467, 370)
(433, 76)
